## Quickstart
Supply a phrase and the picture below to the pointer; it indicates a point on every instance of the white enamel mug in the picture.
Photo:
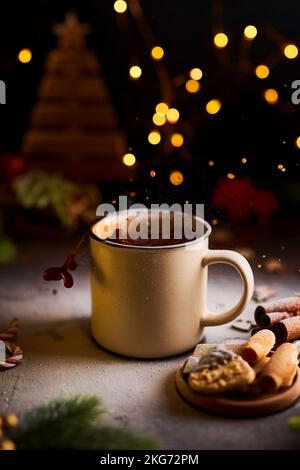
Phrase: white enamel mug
(151, 301)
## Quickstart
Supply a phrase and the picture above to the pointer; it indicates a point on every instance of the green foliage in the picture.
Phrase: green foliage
(40, 190)
(74, 423)
(294, 423)
(8, 250)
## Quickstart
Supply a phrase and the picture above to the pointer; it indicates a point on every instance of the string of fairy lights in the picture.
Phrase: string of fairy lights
(165, 116)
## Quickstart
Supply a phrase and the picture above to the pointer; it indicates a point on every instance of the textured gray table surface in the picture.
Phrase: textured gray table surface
(62, 359)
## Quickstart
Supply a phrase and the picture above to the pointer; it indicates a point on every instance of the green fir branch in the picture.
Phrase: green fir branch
(74, 423)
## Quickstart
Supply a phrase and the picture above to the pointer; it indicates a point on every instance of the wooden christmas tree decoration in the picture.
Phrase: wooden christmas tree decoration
(74, 128)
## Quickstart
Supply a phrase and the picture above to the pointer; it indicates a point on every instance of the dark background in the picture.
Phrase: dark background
(246, 126)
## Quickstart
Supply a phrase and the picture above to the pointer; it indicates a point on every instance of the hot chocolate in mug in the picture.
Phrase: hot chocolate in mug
(150, 300)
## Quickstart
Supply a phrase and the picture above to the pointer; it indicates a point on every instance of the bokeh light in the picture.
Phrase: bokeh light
(196, 73)
(213, 106)
(230, 176)
(25, 56)
(135, 72)
(159, 119)
(290, 51)
(176, 177)
(172, 115)
(250, 32)
(120, 6)
(177, 140)
(221, 40)
(192, 86)
(271, 96)
(154, 137)
(157, 53)
(298, 142)
(162, 108)
(152, 173)
(262, 71)
(244, 160)
(129, 159)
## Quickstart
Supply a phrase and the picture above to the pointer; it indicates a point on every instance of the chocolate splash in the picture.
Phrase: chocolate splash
(56, 273)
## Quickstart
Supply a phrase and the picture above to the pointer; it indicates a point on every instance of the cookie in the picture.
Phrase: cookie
(219, 371)
(233, 344)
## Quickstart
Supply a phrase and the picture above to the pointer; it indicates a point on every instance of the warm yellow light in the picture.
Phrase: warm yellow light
(290, 51)
(283, 170)
(129, 159)
(192, 86)
(172, 115)
(157, 53)
(271, 96)
(120, 6)
(250, 32)
(177, 140)
(176, 177)
(152, 173)
(280, 166)
(162, 108)
(298, 142)
(221, 40)
(230, 176)
(159, 119)
(262, 71)
(196, 73)
(213, 106)
(154, 137)
(25, 56)
(135, 72)
(244, 160)
(8, 444)
(211, 163)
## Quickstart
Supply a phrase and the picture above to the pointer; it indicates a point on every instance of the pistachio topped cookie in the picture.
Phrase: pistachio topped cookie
(219, 371)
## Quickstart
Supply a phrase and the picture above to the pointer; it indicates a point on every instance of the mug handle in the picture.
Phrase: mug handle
(243, 267)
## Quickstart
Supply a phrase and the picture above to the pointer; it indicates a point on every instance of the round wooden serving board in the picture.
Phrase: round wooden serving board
(243, 407)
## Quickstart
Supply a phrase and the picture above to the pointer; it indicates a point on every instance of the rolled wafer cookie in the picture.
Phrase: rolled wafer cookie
(287, 304)
(270, 319)
(259, 365)
(258, 346)
(281, 368)
(287, 329)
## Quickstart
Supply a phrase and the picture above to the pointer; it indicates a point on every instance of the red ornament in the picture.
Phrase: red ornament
(12, 165)
(241, 200)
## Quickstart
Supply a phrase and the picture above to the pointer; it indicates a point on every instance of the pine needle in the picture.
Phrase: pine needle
(74, 423)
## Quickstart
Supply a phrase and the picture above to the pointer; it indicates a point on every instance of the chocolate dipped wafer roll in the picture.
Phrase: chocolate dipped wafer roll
(287, 304)
(287, 330)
